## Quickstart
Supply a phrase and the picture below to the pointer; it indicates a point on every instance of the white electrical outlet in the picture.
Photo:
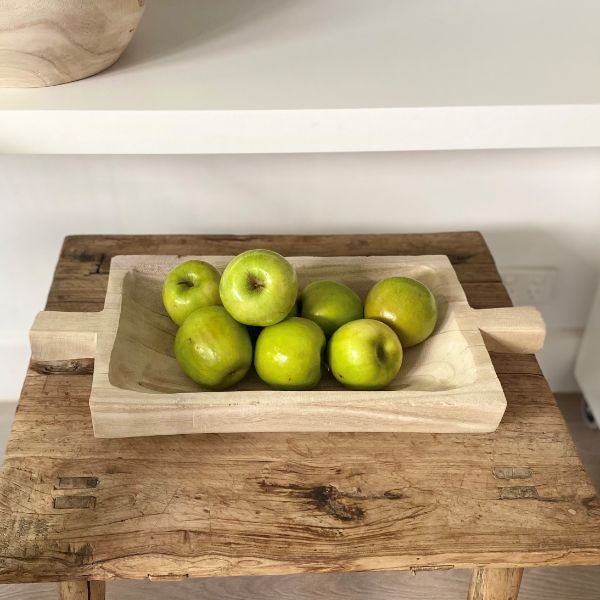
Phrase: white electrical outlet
(529, 285)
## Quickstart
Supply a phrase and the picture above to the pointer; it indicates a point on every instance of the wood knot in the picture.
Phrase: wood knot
(329, 499)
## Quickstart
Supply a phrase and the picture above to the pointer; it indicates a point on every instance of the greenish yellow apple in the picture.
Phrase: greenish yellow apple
(406, 305)
(330, 305)
(365, 355)
(288, 355)
(254, 330)
(190, 285)
(259, 287)
(213, 349)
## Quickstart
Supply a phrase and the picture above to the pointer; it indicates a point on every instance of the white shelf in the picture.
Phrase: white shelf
(238, 76)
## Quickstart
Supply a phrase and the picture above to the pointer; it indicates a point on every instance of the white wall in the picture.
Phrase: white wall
(536, 208)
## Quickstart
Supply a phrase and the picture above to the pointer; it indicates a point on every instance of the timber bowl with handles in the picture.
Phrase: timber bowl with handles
(446, 384)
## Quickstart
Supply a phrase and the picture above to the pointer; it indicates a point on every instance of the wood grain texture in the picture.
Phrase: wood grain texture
(512, 329)
(82, 590)
(265, 504)
(446, 384)
(73, 590)
(495, 584)
(48, 43)
(96, 590)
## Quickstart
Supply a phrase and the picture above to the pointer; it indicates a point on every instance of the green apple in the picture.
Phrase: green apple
(254, 330)
(330, 305)
(406, 305)
(365, 354)
(190, 285)
(288, 355)
(213, 349)
(259, 287)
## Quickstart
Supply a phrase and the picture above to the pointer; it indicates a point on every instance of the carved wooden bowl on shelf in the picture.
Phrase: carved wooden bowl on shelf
(446, 384)
(44, 43)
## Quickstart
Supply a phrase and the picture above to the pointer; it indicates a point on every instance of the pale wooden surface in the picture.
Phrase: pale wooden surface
(73, 590)
(446, 384)
(82, 590)
(279, 503)
(57, 41)
(512, 329)
(495, 584)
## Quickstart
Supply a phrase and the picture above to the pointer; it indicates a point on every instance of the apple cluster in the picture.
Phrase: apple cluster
(253, 314)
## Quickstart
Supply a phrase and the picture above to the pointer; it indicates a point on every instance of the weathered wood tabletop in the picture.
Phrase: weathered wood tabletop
(75, 507)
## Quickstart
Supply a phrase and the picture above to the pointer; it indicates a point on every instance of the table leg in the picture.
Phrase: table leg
(495, 584)
(81, 590)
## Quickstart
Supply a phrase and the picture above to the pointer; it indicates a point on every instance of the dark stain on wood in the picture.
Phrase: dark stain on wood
(62, 502)
(330, 500)
(28, 526)
(75, 483)
(528, 492)
(102, 265)
(83, 256)
(393, 495)
(84, 554)
(74, 366)
(512, 473)
(592, 505)
(326, 498)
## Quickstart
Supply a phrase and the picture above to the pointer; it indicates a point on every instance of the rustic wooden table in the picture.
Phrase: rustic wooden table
(81, 510)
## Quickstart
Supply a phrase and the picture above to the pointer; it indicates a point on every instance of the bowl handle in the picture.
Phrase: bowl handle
(57, 336)
(519, 329)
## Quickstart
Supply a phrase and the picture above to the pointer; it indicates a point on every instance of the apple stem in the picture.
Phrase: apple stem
(254, 283)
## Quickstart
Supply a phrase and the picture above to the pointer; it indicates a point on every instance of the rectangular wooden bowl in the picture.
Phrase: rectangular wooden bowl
(446, 384)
